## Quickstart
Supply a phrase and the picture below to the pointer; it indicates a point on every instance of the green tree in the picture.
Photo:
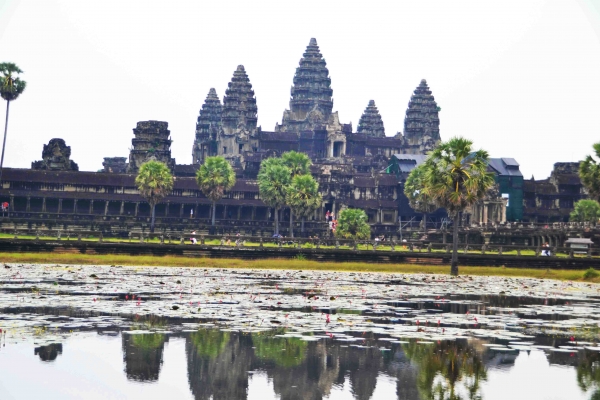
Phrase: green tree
(11, 86)
(215, 177)
(299, 164)
(352, 224)
(455, 178)
(273, 180)
(155, 182)
(586, 211)
(417, 194)
(303, 198)
(589, 172)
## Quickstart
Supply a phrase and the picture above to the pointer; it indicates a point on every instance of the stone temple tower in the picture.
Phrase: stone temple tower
(422, 123)
(152, 142)
(370, 122)
(238, 131)
(207, 128)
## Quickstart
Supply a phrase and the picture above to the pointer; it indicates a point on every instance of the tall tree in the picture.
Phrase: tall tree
(456, 177)
(353, 224)
(417, 194)
(11, 86)
(586, 211)
(155, 182)
(215, 177)
(273, 180)
(299, 164)
(303, 198)
(589, 172)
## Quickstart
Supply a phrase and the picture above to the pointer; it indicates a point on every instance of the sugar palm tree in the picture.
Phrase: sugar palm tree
(456, 177)
(215, 177)
(299, 164)
(589, 172)
(155, 182)
(418, 196)
(11, 86)
(303, 198)
(273, 180)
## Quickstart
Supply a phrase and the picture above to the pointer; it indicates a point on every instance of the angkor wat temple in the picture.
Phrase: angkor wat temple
(362, 169)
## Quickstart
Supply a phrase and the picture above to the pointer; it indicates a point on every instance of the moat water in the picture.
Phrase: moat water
(115, 333)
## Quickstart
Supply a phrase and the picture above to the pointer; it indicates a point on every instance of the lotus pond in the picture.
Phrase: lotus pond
(72, 332)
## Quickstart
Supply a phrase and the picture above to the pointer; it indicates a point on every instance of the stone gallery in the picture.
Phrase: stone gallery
(362, 168)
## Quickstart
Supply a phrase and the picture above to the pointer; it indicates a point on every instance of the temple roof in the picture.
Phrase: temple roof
(239, 103)
(312, 85)
(422, 117)
(370, 122)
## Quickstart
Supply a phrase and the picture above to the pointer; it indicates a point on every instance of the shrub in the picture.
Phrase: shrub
(590, 274)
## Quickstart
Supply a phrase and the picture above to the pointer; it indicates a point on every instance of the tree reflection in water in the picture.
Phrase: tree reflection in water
(143, 355)
(588, 373)
(442, 366)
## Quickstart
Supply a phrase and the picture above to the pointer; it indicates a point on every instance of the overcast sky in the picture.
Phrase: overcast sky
(520, 78)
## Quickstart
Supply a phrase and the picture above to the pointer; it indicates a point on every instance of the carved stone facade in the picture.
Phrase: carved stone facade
(370, 122)
(115, 165)
(56, 156)
(208, 128)
(152, 142)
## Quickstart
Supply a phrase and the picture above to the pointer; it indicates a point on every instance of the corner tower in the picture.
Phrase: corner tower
(239, 117)
(370, 122)
(207, 128)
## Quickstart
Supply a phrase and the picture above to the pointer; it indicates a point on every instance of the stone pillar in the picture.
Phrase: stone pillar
(181, 211)
(253, 213)
(137, 208)
(333, 209)
(11, 205)
(106, 207)
(239, 213)
(60, 205)
(91, 207)
(122, 209)
(43, 204)
(224, 212)
(485, 213)
(167, 208)
(75, 206)
(28, 207)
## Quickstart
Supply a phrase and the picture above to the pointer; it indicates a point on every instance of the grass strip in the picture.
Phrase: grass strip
(280, 264)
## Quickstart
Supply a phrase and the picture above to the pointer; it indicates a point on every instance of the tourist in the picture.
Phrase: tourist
(191, 213)
(193, 238)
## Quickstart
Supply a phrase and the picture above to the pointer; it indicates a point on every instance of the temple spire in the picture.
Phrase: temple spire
(422, 121)
(239, 103)
(207, 128)
(370, 122)
(312, 85)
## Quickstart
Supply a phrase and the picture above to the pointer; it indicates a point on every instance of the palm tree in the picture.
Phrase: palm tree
(456, 177)
(417, 195)
(589, 172)
(303, 198)
(353, 224)
(215, 177)
(11, 87)
(299, 164)
(155, 182)
(273, 180)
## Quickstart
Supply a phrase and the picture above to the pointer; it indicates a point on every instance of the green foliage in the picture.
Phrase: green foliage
(590, 273)
(455, 176)
(11, 86)
(586, 211)
(209, 343)
(215, 177)
(589, 172)
(352, 224)
(154, 181)
(416, 191)
(298, 163)
(284, 352)
(148, 341)
(303, 195)
(273, 179)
